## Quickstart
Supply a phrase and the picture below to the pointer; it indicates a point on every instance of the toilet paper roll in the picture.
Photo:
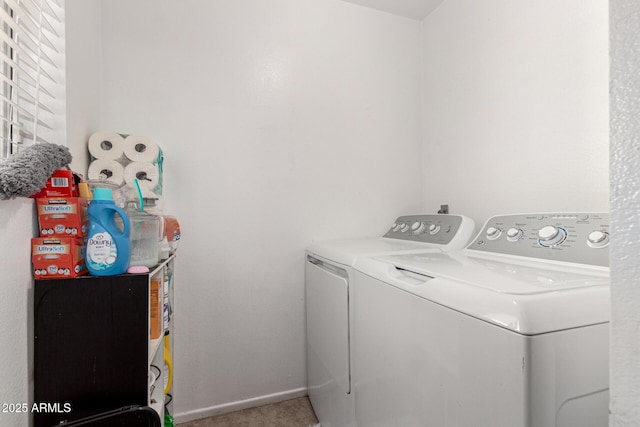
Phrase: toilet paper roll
(141, 149)
(106, 145)
(108, 170)
(148, 175)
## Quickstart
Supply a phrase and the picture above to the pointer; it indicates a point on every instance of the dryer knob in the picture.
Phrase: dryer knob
(418, 227)
(598, 239)
(404, 228)
(514, 234)
(434, 228)
(548, 233)
(551, 236)
(493, 233)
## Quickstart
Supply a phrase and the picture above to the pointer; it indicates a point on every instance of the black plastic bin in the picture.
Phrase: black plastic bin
(129, 416)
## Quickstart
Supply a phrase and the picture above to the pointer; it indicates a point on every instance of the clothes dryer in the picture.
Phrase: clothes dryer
(510, 332)
(329, 302)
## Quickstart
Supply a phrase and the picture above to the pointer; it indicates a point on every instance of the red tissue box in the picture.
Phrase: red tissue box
(62, 216)
(57, 258)
(61, 184)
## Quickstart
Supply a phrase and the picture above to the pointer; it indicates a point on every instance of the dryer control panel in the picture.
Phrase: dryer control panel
(431, 228)
(568, 237)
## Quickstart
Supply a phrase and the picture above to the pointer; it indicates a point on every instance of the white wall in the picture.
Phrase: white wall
(625, 208)
(281, 122)
(83, 44)
(17, 227)
(515, 106)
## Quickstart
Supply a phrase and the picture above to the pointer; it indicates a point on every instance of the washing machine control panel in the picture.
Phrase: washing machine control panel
(579, 238)
(427, 228)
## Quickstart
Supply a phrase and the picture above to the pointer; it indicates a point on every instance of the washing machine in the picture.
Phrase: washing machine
(329, 302)
(512, 331)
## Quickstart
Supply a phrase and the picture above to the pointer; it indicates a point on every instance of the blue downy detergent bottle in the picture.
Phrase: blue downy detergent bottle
(108, 247)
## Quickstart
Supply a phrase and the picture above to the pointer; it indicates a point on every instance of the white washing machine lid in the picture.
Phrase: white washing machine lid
(347, 251)
(528, 297)
(503, 274)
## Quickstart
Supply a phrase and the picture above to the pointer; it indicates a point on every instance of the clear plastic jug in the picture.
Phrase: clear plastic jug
(144, 235)
(145, 228)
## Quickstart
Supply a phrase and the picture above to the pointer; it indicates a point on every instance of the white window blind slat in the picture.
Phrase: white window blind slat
(31, 68)
(5, 38)
(21, 77)
(10, 64)
(28, 28)
(37, 13)
(38, 122)
(26, 60)
(30, 20)
(31, 137)
(7, 19)
(31, 48)
(13, 5)
(25, 113)
(28, 99)
(3, 120)
(32, 105)
(49, 9)
(35, 90)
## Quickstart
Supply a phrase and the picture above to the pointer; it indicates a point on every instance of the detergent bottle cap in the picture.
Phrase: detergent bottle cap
(102, 194)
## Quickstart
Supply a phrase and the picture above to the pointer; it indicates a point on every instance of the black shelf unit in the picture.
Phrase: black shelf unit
(91, 345)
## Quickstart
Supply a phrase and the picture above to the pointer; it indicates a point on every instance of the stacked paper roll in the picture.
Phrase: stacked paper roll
(141, 149)
(119, 159)
(106, 146)
(106, 170)
(147, 174)
(107, 154)
(145, 158)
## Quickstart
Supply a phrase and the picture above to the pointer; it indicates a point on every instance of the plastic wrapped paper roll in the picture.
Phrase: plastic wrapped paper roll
(106, 146)
(106, 170)
(141, 149)
(148, 176)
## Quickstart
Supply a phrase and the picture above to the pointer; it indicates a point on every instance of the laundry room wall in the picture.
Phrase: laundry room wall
(281, 122)
(625, 213)
(515, 107)
(18, 226)
(83, 76)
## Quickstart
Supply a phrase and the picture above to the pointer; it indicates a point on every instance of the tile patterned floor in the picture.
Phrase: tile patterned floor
(290, 413)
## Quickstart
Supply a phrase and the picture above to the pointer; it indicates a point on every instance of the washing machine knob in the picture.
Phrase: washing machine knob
(434, 228)
(418, 227)
(598, 239)
(404, 228)
(493, 233)
(551, 236)
(395, 227)
(548, 233)
(514, 234)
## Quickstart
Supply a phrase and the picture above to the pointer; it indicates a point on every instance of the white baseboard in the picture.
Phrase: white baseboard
(197, 414)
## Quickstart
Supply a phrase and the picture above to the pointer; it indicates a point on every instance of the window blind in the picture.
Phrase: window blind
(32, 96)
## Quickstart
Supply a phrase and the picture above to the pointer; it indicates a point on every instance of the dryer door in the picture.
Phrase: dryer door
(328, 347)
